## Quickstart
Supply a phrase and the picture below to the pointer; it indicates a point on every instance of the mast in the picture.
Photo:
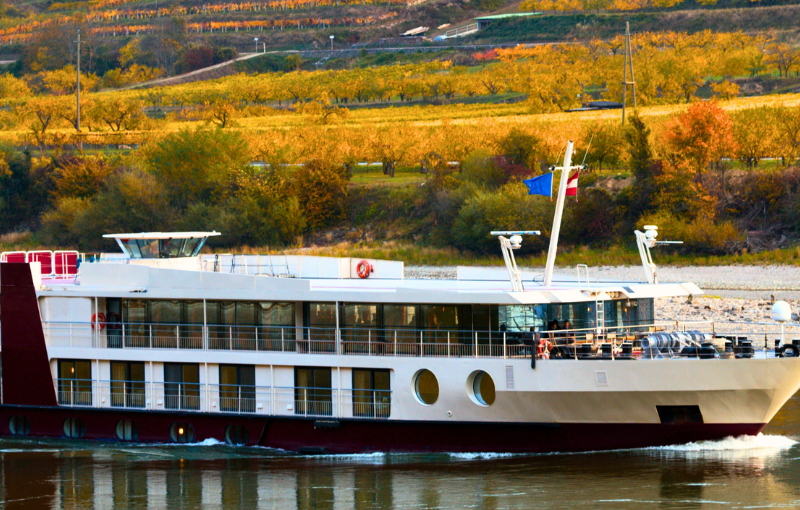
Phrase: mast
(562, 191)
(628, 64)
(78, 86)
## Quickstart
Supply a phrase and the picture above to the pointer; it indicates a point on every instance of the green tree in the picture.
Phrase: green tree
(197, 165)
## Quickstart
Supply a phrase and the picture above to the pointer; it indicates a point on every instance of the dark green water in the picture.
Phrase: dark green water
(759, 472)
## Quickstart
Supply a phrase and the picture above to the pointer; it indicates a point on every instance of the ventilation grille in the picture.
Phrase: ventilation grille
(600, 378)
(509, 377)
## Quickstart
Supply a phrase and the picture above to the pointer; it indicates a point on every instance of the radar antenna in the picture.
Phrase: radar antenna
(508, 245)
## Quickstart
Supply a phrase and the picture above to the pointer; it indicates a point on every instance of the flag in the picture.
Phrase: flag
(542, 185)
(572, 186)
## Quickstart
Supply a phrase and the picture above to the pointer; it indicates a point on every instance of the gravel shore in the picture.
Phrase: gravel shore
(733, 293)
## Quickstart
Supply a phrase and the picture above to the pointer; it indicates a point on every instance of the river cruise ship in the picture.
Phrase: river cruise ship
(312, 354)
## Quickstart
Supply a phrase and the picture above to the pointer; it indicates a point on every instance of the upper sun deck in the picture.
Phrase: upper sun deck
(306, 278)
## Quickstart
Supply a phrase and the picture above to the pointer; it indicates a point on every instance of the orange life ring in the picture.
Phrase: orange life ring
(364, 268)
(544, 348)
(100, 320)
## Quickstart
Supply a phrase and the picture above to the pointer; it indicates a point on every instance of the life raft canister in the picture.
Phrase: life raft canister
(99, 319)
(364, 268)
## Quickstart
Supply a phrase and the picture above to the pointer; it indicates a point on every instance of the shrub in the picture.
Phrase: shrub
(321, 190)
(702, 235)
(509, 208)
(479, 168)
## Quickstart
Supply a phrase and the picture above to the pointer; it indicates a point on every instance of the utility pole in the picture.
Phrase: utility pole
(628, 64)
(78, 86)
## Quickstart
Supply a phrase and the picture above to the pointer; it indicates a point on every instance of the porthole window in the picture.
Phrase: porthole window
(74, 428)
(426, 387)
(483, 388)
(19, 425)
(236, 434)
(127, 430)
(181, 433)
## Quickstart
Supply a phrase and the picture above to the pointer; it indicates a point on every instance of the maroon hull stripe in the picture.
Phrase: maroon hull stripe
(355, 436)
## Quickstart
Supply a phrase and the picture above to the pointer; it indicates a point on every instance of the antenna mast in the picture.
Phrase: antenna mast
(78, 86)
(628, 64)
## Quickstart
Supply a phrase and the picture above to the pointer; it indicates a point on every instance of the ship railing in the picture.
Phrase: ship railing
(224, 398)
(397, 341)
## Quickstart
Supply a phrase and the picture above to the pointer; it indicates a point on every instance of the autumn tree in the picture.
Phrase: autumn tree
(604, 144)
(321, 189)
(41, 113)
(783, 57)
(789, 133)
(81, 177)
(220, 112)
(117, 112)
(701, 136)
(755, 134)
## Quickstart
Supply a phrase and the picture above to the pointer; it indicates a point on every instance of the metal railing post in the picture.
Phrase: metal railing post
(504, 345)
(448, 344)
(150, 341)
(476, 344)
(395, 342)
(177, 337)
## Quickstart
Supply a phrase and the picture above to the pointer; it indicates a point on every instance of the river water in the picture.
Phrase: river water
(753, 472)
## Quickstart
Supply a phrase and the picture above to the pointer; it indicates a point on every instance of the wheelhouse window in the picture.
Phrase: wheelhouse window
(237, 388)
(628, 313)
(313, 393)
(75, 382)
(181, 385)
(127, 384)
(372, 396)
(161, 248)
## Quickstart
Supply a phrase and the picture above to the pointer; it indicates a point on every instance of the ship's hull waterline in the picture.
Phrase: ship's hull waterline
(323, 435)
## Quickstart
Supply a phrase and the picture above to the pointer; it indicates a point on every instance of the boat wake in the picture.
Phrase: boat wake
(741, 443)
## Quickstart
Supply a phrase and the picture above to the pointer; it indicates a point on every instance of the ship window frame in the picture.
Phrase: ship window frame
(415, 386)
(476, 393)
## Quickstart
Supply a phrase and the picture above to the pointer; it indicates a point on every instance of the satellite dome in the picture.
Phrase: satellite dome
(781, 311)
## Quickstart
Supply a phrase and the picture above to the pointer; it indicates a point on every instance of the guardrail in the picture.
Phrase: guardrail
(220, 398)
(367, 341)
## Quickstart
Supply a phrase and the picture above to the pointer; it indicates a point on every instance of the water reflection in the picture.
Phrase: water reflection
(78, 475)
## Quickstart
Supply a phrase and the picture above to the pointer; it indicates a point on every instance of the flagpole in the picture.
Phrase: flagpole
(562, 191)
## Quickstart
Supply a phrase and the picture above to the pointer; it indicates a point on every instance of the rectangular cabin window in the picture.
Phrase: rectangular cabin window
(320, 331)
(400, 316)
(575, 313)
(114, 322)
(134, 316)
(522, 318)
(441, 324)
(127, 384)
(181, 386)
(312, 392)
(401, 323)
(237, 388)
(372, 396)
(75, 382)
